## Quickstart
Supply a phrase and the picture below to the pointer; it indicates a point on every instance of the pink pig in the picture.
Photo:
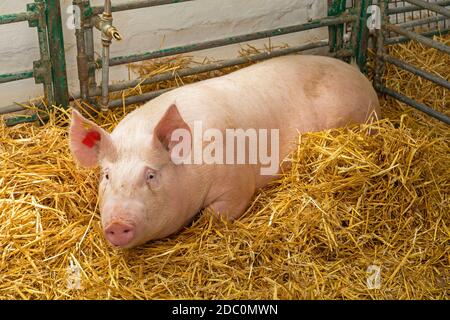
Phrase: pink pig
(145, 194)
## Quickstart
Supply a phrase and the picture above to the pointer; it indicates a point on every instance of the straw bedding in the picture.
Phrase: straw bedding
(350, 201)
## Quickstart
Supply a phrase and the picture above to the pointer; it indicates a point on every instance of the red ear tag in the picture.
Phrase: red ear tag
(91, 138)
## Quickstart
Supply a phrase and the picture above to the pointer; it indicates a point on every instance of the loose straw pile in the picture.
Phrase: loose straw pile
(350, 201)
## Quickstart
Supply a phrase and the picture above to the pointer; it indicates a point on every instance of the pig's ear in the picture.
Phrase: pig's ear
(169, 122)
(88, 142)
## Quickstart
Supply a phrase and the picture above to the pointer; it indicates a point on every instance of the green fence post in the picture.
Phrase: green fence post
(336, 33)
(41, 67)
(380, 45)
(362, 35)
(57, 54)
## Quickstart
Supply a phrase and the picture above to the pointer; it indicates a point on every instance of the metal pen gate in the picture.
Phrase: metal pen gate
(432, 14)
(348, 38)
(50, 69)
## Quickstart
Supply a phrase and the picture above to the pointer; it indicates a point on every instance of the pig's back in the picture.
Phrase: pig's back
(307, 92)
(299, 93)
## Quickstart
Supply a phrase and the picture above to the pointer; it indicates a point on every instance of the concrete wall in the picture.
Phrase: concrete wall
(154, 28)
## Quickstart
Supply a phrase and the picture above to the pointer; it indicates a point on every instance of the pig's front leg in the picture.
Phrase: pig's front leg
(232, 202)
(228, 208)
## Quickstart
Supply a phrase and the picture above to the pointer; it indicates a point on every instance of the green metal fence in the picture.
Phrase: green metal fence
(346, 23)
(346, 15)
(437, 13)
(50, 69)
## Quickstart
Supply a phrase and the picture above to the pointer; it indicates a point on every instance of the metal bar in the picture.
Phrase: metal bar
(42, 67)
(105, 78)
(360, 42)
(332, 30)
(17, 17)
(231, 40)
(340, 27)
(88, 26)
(431, 6)
(21, 119)
(107, 7)
(57, 54)
(380, 44)
(8, 77)
(405, 9)
(408, 67)
(401, 39)
(336, 32)
(354, 40)
(415, 23)
(192, 71)
(89, 44)
(150, 95)
(106, 42)
(419, 38)
(211, 67)
(104, 23)
(136, 99)
(419, 106)
(130, 5)
(82, 58)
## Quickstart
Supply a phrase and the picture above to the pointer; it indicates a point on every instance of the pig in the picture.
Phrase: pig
(145, 195)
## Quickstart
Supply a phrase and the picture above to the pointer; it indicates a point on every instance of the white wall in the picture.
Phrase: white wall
(154, 28)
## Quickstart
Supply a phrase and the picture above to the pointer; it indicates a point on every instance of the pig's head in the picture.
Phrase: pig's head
(140, 187)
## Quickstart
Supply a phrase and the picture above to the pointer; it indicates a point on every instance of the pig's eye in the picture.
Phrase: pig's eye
(150, 176)
(106, 174)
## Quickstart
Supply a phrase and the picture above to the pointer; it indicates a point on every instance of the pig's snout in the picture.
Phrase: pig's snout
(120, 234)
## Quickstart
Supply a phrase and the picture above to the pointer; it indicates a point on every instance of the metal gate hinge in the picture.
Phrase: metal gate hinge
(41, 70)
(37, 9)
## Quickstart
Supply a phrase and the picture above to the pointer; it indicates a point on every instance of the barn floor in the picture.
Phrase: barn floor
(351, 202)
